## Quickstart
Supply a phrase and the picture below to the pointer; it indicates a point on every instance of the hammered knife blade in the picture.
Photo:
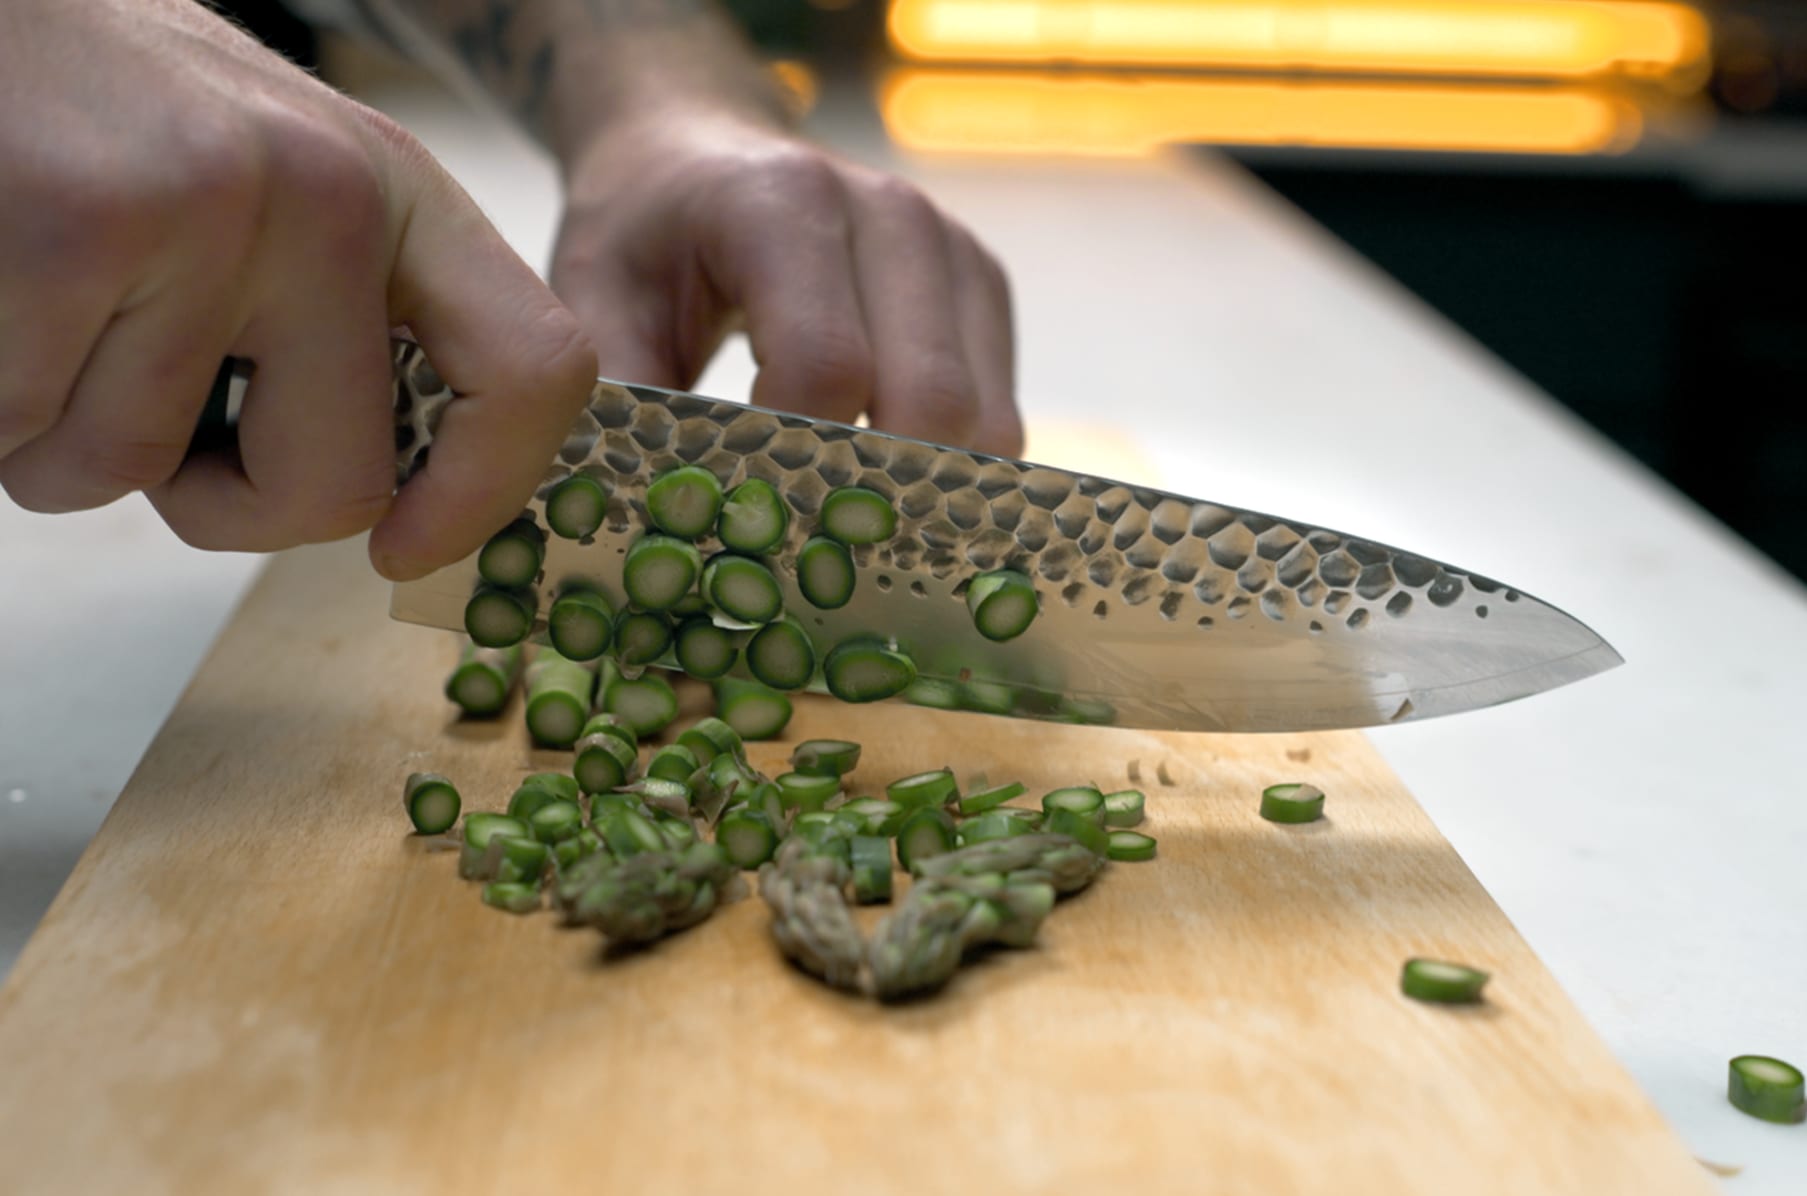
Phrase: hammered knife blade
(1157, 610)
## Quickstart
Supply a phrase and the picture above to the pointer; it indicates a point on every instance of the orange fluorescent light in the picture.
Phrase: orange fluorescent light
(1520, 38)
(1020, 113)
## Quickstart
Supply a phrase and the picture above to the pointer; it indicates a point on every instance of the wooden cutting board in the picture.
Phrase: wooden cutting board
(257, 981)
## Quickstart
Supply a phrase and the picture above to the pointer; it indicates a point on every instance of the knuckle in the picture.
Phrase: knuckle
(801, 177)
(122, 465)
(327, 174)
(943, 397)
(346, 514)
(905, 203)
(836, 362)
(24, 418)
(555, 354)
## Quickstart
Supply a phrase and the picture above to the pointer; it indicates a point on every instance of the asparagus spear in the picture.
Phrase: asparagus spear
(483, 678)
(1056, 859)
(653, 893)
(811, 919)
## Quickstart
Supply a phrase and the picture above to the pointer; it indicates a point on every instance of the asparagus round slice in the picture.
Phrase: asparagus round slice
(647, 704)
(512, 898)
(568, 852)
(873, 813)
(628, 832)
(432, 802)
(781, 655)
(479, 831)
(1130, 845)
(825, 573)
(562, 784)
(484, 677)
(576, 506)
(611, 724)
(863, 670)
(642, 637)
(1081, 799)
(659, 571)
(704, 650)
(685, 501)
(515, 860)
(1767, 1088)
(924, 789)
(754, 518)
(1441, 982)
(748, 837)
(1124, 808)
(558, 698)
(1002, 604)
(1292, 803)
(989, 799)
(528, 799)
(677, 832)
(753, 710)
(871, 858)
(662, 796)
(855, 515)
(673, 762)
(998, 824)
(801, 791)
(580, 624)
(742, 588)
(512, 557)
(926, 832)
(825, 757)
(710, 737)
(1081, 828)
(603, 763)
(556, 821)
(499, 618)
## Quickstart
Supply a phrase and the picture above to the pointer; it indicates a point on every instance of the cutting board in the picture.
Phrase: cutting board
(257, 981)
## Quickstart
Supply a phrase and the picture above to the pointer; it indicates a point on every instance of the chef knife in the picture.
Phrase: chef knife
(1156, 610)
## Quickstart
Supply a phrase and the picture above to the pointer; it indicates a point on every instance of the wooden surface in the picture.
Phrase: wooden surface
(257, 981)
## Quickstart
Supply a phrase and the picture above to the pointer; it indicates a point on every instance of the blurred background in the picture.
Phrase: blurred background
(1609, 194)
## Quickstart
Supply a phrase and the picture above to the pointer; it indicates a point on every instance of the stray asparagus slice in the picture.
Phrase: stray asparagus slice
(989, 799)
(498, 617)
(484, 678)
(754, 518)
(855, 515)
(867, 670)
(580, 624)
(1767, 1088)
(871, 860)
(1124, 808)
(998, 824)
(875, 815)
(825, 573)
(576, 506)
(603, 762)
(1002, 604)
(1292, 803)
(647, 704)
(432, 802)
(747, 836)
(1080, 799)
(479, 830)
(704, 650)
(627, 832)
(742, 588)
(781, 655)
(512, 859)
(811, 919)
(556, 821)
(512, 897)
(684, 502)
(512, 557)
(927, 831)
(1441, 982)
(753, 710)
(710, 737)
(924, 789)
(528, 799)
(659, 571)
(673, 762)
(1130, 845)
(641, 637)
(558, 698)
(802, 791)
(825, 757)
(1083, 829)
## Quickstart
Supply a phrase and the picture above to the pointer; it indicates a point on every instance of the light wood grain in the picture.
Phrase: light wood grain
(256, 981)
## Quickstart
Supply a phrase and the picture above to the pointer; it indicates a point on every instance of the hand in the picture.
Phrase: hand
(857, 293)
(174, 194)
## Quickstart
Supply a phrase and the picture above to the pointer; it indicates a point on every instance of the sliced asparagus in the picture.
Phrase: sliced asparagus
(576, 506)
(1002, 604)
(855, 515)
(704, 650)
(747, 836)
(432, 802)
(604, 762)
(781, 655)
(673, 762)
(512, 557)
(1130, 845)
(484, 678)
(825, 573)
(684, 502)
(989, 799)
(710, 737)
(753, 710)
(558, 698)
(641, 637)
(825, 757)
(935, 788)
(1767, 1088)
(875, 815)
(1044, 857)
(647, 703)
(754, 518)
(865, 670)
(479, 830)
(513, 898)
(512, 859)
(998, 824)
(1292, 803)
(556, 821)
(871, 860)
(627, 832)
(927, 831)
(497, 617)
(801, 791)
(1080, 799)
(659, 571)
(1083, 829)
(603, 723)
(580, 624)
(1124, 808)
(742, 588)
(1441, 982)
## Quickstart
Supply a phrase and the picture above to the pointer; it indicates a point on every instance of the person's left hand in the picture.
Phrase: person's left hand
(857, 293)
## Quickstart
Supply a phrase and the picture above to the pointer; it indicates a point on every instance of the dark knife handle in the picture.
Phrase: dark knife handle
(217, 429)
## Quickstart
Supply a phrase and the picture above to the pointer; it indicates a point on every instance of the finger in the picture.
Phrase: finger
(785, 259)
(45, 336)
(515, 356)
(983, 309)
(132, 411)
(628, 326)
(924, 385)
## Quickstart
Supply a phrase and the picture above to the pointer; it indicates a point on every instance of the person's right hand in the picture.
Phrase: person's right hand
(173, 194)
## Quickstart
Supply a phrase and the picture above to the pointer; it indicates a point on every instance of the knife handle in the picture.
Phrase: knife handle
(217, 429)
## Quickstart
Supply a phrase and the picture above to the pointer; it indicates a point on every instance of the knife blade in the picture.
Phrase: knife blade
(1157, 610)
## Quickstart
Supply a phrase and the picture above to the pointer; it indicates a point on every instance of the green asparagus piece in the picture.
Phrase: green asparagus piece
(647, 703)
(673, 762)
(528, 798)
(512, 859)
(855, 515)
(653, 893)
(499, 617)
(659, 571)
(1002, 604)
(512, 897)
(479, 829)
(642, 637)
(558, 698)
(1767, 1088)
(484, 678)
(871, 859)
(685, 501)
(867, 670)
(781, 655)
(875, 815)
(926, 832)
(604, 761)
(512, 557)
(1081, 828)
(556, 821)
(753, 710)
(662, 795)
(678, 833)
(576, 506)
(1441, 982)
(580, 624)
(1045, 857)
(804, 792)
(997, 824)
(754, 518)
(1130, 845)
(811, 919)
(825, 573)
(710, 737)
(610, 724)
(562, 784)
(1080, 799)
(989, 799)
(924, 789)
(748, 837)
(585, 843)
(742, 588)
(1124, 808)
(825, 757)
(628, 833)
(1292, 803)
(704, 650)
(432, 802)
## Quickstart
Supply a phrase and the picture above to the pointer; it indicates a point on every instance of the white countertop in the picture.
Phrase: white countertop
(1646, 829)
